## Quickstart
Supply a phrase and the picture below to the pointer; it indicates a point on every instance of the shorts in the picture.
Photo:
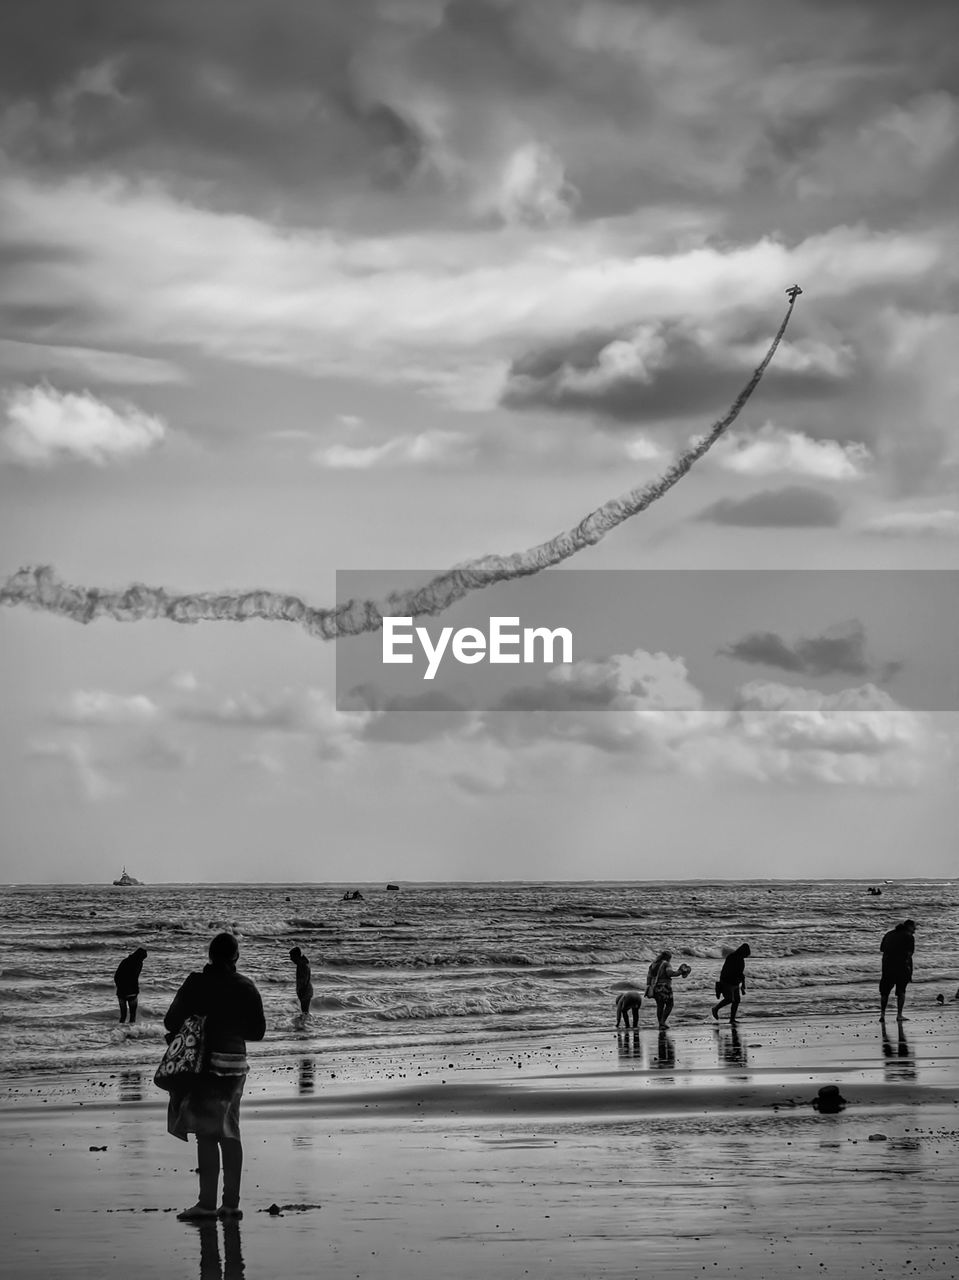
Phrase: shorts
(728, 991)
(900, 980)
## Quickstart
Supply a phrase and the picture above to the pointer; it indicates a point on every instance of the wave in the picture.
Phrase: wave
(463, 1009)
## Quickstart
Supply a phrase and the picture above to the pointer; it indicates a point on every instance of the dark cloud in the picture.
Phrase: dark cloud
(676, 372)
(842, 650)
(280, 103)
(233, 101)
(792, 507)
(402, 719)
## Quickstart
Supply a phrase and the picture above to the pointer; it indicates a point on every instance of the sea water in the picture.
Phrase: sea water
(437, 964)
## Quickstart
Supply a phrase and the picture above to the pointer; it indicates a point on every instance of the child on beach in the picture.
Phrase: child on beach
(127, 982)
(732, 982)
(630, 1002)
(304, 979)
(660, 985)
(209, 1105)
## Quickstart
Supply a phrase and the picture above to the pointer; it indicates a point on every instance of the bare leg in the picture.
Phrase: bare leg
(735, 1009)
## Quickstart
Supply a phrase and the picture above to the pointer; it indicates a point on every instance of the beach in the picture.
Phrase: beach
(560, 1155)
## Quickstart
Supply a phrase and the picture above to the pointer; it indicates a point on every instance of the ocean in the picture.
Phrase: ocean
(438, 964)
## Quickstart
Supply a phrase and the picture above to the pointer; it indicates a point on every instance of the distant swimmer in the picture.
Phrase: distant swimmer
(732, 982)
(630, 1002)
(897, 949)
(127, 982)
(304, 979)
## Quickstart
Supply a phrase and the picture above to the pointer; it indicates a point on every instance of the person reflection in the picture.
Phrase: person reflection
(131, 1086)
(731, 1048)
(665, 1051)
(629, 1044)
(899, 1063)
(307, 1075)
(212, 1267)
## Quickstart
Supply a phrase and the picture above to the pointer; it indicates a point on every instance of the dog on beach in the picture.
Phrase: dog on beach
(630, 1002)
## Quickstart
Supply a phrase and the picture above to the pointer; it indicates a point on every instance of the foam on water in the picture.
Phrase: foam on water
(437, 963)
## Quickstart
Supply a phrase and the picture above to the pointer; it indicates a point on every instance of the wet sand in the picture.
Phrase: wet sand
(560, 1156)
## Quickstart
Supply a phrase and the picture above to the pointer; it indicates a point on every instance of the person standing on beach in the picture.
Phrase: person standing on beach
(304, 979)
(660, 985)
(897, 949)
(732, 982)
(127, 982)
(209, 1105)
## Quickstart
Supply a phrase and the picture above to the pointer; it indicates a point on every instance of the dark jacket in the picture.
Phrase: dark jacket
(733, 972)
(232, 1004)
(897, 948)
(127, 976)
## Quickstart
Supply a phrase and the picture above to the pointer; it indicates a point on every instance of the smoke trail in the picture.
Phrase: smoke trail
(39, 588)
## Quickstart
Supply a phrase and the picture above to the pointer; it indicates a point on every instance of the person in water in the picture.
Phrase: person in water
(209, 1105)
(732, 982)
(660, 985)
(127, 982)
(304, 979)
(897, 949)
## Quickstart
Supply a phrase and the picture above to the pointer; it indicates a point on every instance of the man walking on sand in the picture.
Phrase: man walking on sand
(732, 982)
(897, 949)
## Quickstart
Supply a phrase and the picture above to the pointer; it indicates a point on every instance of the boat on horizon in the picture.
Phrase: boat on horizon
(126, 878)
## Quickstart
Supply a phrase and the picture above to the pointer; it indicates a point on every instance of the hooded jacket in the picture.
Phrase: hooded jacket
(231, 1003)
(127, 976)
(733, 972)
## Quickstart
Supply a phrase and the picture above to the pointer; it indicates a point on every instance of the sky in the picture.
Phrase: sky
(295, 287)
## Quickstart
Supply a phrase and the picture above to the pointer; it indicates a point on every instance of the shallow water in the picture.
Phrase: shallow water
(445, 963)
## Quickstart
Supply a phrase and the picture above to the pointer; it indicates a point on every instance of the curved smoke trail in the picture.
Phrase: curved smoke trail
(39, 588)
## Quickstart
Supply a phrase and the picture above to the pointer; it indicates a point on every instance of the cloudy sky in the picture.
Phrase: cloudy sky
(296, 286)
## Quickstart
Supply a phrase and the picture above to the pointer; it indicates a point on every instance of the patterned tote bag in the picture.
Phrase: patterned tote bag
(185, 1055)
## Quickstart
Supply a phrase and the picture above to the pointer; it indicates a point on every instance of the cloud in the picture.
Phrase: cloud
(309, 713)
(898, 146)
(159, 751)
(793, 507)
(530, 188)
(43, 425)
(37, 358)
(77, 757)
(427, 309)
(429, 448)
(643, 711)
(842, 650)
(914, 524)
(771, 450)
(666, 370)
(100, 707)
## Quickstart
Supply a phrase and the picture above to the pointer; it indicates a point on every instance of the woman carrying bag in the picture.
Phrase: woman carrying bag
(208, 1103)
(660, 985)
